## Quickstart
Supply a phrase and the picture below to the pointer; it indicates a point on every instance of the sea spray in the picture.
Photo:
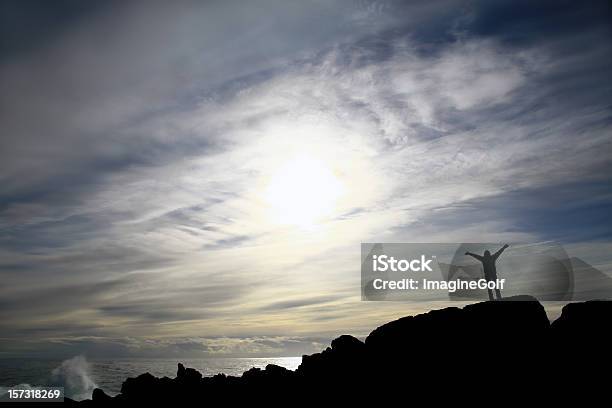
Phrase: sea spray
(73, 374)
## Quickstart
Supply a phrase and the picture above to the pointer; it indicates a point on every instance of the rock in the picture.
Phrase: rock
(274, 370)
(413, 330)
(272, 373)
(134, 385)
(252, 372)
(346, 344)
(98, 395)
(592, 317)
(145, 387)
(514, 317)
(180, 372)
(343, 358)
(187, 375)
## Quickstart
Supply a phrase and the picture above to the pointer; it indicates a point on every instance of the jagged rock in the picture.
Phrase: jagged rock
(141, 384)
(180, 372)
(99, 395)
(347, 344)
(594, 316)
(272, 374)
(146, 386)
(276, 370)
(343, 358)
(187, 375)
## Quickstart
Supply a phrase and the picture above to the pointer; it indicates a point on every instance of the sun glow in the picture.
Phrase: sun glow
(303, 192)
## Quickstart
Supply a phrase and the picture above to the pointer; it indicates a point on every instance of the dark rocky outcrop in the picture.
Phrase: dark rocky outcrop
(100, 396)
(585, 317)
(482, 351)
(187, 376)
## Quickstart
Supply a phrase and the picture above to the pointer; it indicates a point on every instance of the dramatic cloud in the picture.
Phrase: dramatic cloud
(139, 141)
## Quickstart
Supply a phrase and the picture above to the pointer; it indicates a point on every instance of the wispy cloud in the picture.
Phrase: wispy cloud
(134, 160)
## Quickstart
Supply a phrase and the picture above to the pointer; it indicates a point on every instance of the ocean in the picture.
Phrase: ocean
(79, 376)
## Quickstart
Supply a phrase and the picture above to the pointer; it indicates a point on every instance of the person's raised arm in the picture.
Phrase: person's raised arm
(474, 256)
(498, 253)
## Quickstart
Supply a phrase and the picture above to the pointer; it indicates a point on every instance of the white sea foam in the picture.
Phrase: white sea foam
(74, 374)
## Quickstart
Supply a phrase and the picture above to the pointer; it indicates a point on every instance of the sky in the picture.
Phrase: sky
(195, 178)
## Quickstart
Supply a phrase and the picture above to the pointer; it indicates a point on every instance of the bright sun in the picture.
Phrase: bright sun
(303, 192)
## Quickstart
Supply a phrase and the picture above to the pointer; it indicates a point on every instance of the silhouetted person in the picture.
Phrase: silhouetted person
(488, 265)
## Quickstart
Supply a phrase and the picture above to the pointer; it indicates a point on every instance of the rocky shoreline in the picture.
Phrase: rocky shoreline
(445, 354)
